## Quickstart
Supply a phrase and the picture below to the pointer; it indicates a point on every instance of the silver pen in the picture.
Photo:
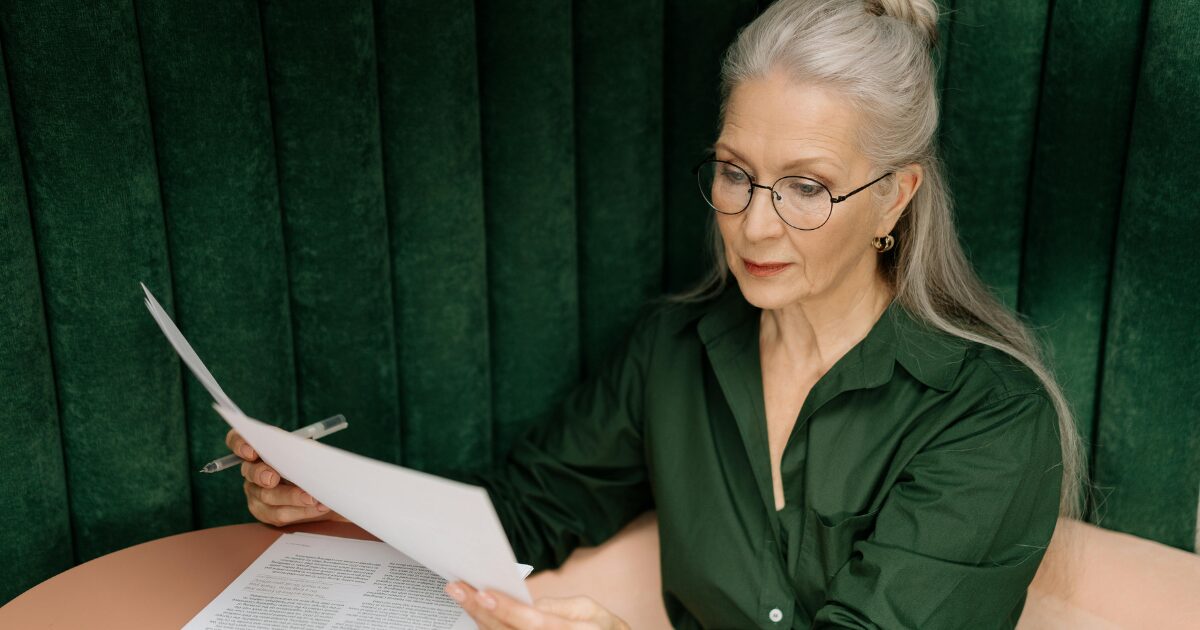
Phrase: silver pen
(313, 431)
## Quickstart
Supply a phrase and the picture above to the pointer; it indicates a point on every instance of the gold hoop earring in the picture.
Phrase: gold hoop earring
(883, 243)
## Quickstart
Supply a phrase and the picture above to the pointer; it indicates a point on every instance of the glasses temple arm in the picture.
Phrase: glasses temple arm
(863, 187)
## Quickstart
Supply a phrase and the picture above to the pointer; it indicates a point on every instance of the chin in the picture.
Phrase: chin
(767, 293)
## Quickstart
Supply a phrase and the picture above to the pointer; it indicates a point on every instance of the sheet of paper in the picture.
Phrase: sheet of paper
(185, 351)
(449, 527)
(313, 581)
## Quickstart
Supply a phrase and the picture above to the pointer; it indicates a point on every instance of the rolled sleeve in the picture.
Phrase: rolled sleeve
(960, 536)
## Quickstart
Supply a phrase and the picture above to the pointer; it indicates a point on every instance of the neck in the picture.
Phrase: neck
(816, 332)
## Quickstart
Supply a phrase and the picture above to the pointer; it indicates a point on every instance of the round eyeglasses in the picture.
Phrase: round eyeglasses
(802, 202)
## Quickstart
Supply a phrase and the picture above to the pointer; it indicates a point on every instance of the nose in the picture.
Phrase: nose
(761, 220)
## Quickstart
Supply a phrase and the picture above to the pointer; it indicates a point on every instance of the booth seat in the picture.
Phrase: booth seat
(1090, 578)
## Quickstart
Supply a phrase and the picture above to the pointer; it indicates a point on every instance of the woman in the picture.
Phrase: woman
(855, 433)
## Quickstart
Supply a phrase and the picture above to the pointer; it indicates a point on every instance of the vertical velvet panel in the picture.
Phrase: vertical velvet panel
(434, 179)
(35, 526)
(988, 118)
(527, 114)
(1148, 446)
(325, 105)
(207, 85)
(696, 35)
(619, 163)
(1083, 123)
(79, 103)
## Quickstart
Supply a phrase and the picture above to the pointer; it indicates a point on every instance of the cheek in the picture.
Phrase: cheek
(850, 228)
(829, 252)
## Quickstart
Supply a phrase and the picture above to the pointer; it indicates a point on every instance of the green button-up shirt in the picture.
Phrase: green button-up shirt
(921, 479)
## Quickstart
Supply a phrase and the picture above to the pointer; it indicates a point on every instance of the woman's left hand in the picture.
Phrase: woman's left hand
(496, 611)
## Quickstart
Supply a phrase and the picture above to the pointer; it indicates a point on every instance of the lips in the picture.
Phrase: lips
(762, 269)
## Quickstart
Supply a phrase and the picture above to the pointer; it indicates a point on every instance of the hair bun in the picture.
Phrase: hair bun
(920, 13)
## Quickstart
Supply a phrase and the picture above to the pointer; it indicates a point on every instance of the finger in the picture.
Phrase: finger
(283, 495)
(240, 446)
(260, 473)
(280, 515)
(468, 598)
(289, 495)
(519, 614)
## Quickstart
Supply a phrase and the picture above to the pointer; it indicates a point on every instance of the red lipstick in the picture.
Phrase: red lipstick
(764, 269)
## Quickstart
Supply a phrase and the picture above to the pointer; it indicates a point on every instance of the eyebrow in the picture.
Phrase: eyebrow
(820, 159)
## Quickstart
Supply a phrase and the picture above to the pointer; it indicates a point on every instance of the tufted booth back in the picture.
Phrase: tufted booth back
(435, 218)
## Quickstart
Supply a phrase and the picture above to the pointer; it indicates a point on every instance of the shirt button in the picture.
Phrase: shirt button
(775, 615)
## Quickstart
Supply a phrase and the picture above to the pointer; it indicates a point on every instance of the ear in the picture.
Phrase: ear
(907, 180)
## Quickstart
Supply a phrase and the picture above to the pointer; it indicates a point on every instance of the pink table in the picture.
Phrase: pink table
(158, 584)
(164, 583)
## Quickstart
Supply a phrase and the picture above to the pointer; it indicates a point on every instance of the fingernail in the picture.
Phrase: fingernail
(270, 478)
(488, 601)
(308, 498)
(247, 453)
(322, 507)
(456, 593)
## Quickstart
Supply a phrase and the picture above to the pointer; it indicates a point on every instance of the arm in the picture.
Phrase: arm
(960, 536)
(577, 478)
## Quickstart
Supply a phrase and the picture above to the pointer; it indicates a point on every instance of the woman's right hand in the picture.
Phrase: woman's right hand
(271, 498)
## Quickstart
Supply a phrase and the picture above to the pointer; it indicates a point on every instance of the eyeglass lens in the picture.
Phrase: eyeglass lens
(801, 202)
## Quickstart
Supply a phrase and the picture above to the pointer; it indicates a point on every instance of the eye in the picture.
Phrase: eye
(732, 175)
(805, 188)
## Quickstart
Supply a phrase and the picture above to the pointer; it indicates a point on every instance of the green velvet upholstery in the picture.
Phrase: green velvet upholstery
(527, 114)
(213, 143)
(435, 217)
(1148, 421)
(1075, 187)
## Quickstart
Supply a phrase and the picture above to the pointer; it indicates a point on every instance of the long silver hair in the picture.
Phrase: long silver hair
(877, 54)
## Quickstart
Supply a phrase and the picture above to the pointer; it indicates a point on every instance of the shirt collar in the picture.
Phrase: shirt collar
(931, 356)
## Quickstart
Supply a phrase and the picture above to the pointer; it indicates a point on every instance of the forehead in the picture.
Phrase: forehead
(776, 120)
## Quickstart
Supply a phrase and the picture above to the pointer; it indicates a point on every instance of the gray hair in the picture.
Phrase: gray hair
(876, 53)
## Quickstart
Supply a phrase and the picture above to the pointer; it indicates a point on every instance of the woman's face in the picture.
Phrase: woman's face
(773, 129)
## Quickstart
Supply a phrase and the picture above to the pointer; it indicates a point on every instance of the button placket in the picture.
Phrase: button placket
(775, 603)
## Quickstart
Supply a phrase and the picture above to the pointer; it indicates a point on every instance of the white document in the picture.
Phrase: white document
(309, 581)
(449, 527)
(185, 351)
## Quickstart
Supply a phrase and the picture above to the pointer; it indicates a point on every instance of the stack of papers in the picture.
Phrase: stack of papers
(313, 581)
(449, 527)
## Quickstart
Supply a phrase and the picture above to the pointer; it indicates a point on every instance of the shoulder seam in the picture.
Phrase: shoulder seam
(1003, 380)
(1039, 392)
